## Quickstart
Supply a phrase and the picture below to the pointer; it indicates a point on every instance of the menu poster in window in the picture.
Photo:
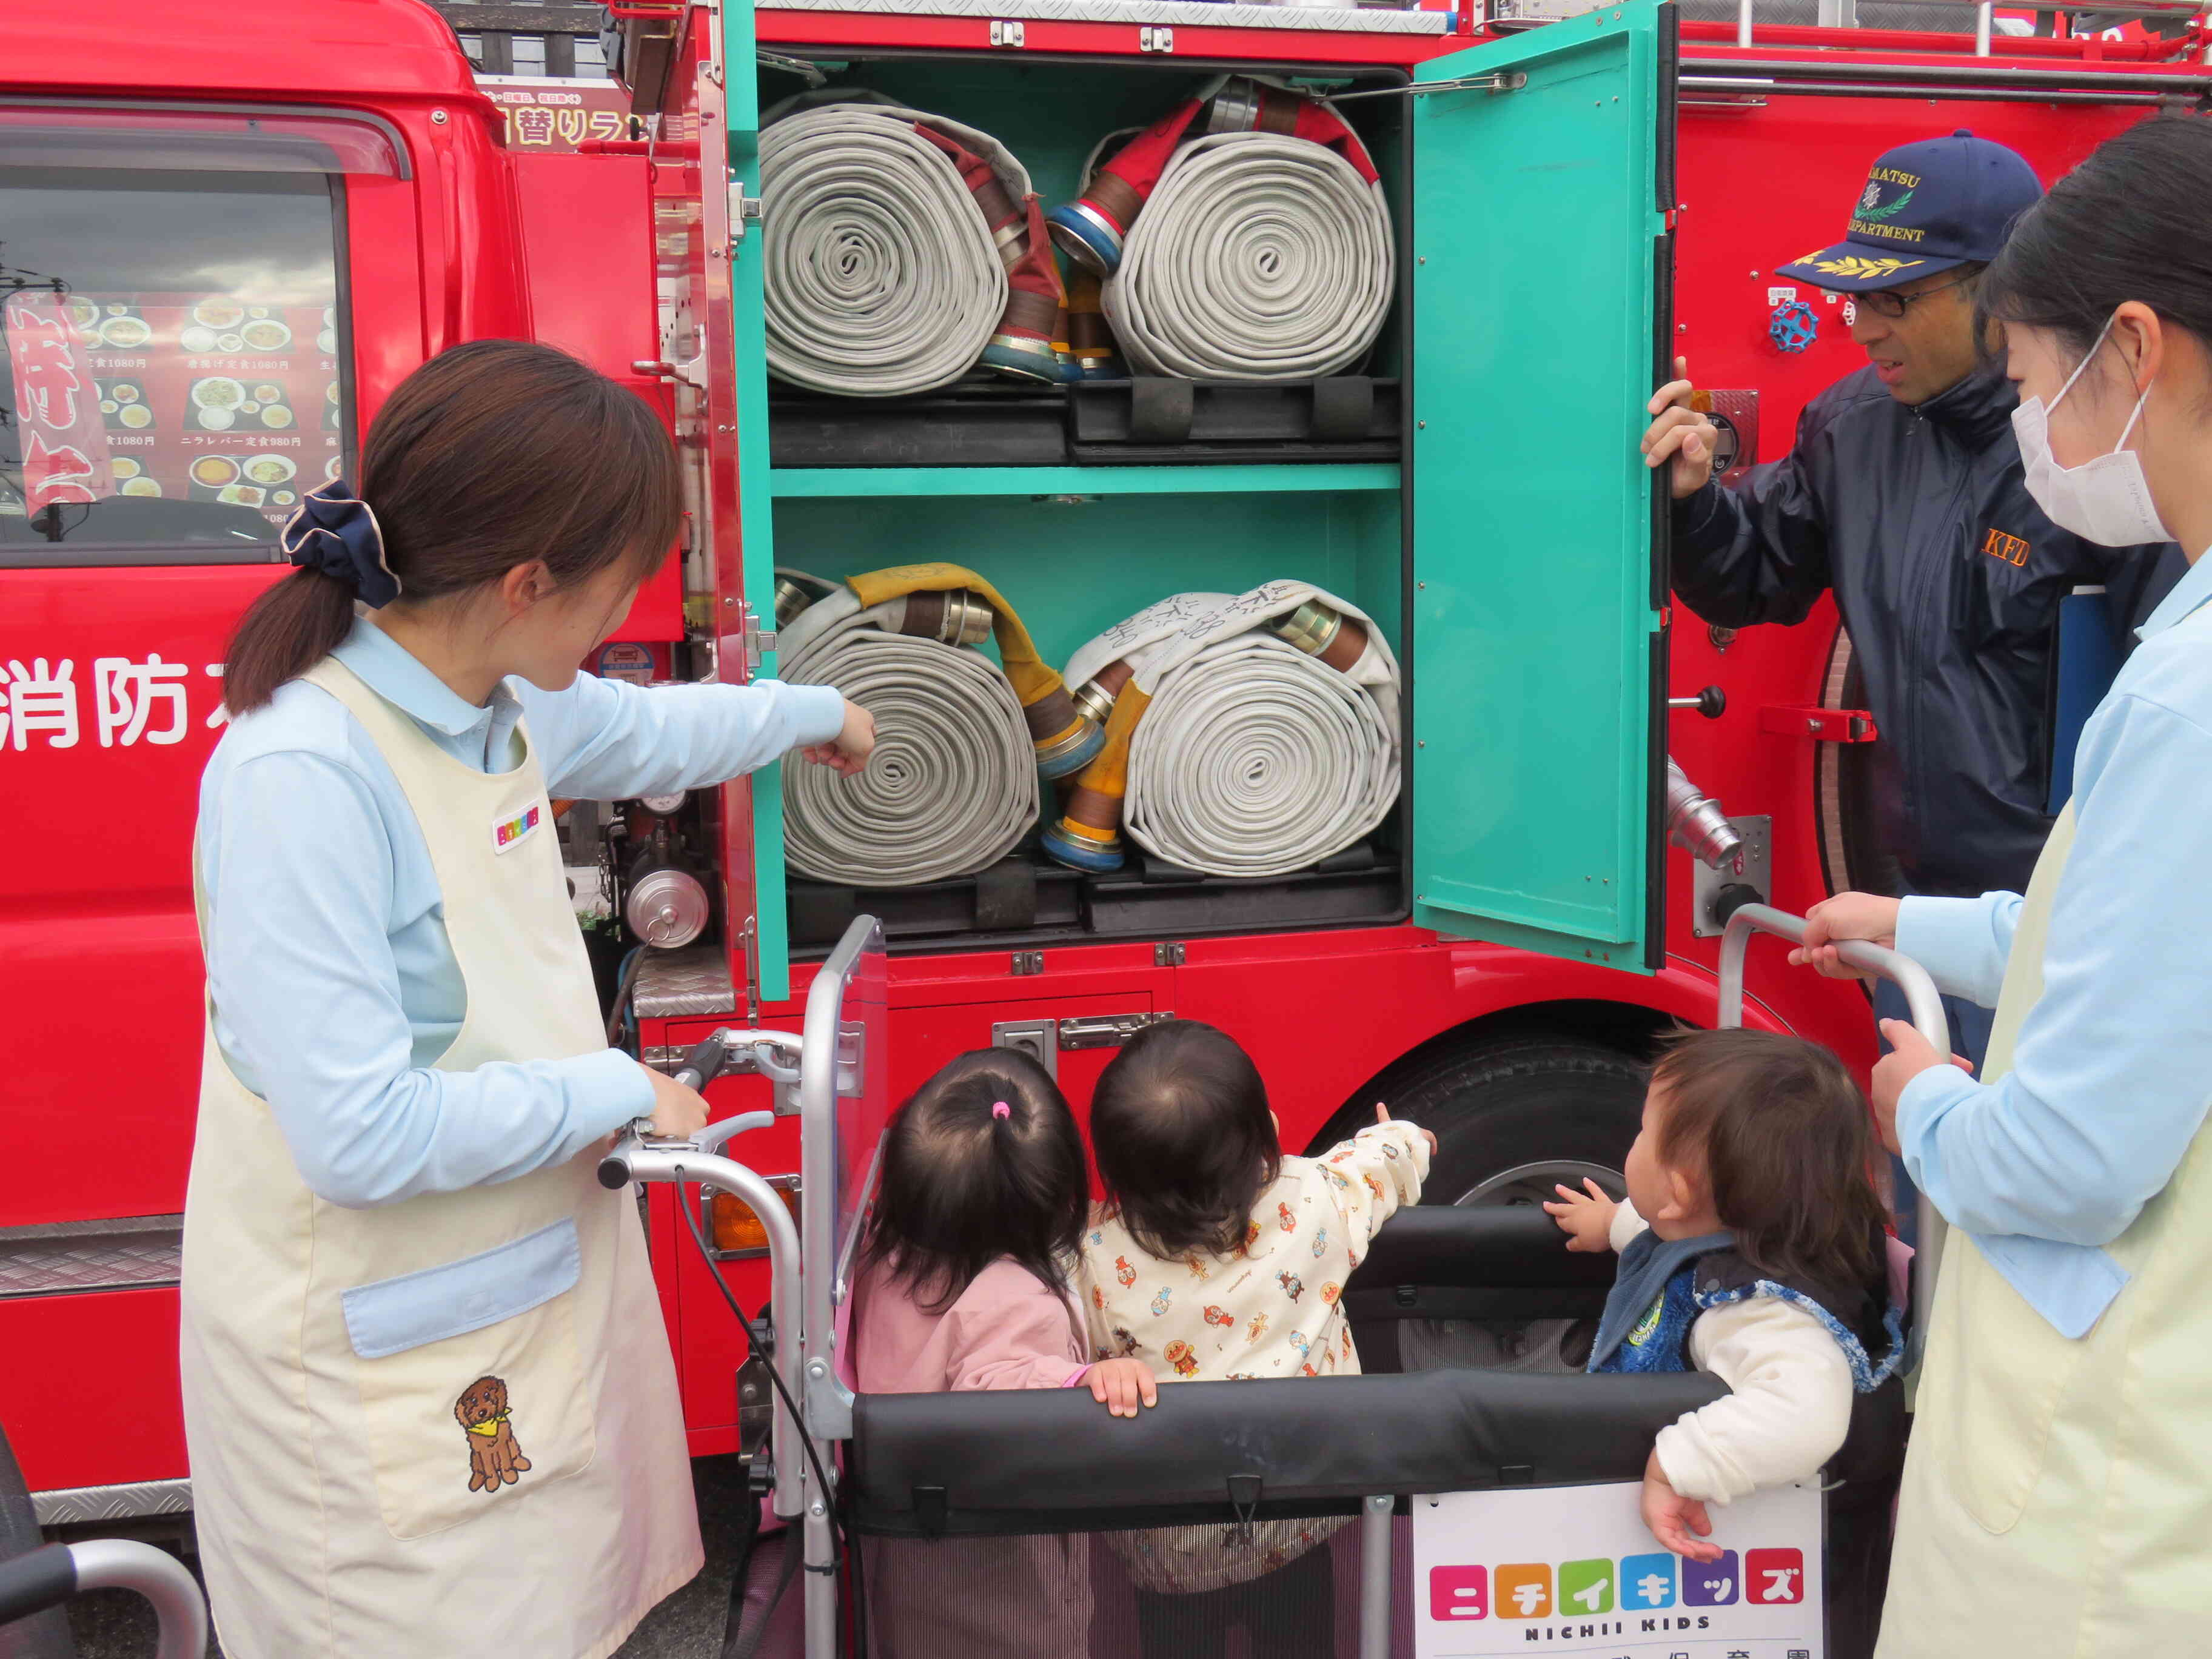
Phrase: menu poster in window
(65, 456)
(215, 398)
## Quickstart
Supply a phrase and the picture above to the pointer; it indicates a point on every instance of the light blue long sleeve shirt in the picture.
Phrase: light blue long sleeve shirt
(2111, 1076)
(333, 983)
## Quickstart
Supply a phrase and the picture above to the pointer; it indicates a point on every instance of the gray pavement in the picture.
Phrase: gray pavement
(116, 1625)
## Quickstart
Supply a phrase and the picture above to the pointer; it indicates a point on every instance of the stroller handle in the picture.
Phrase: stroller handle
(1921, 995)
(49, 1576)
(1928, 1018)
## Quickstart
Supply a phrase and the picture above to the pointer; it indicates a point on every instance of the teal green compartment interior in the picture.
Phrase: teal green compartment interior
(1070, 570)
(1533, 671)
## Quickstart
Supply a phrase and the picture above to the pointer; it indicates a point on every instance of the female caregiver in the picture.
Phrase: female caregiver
(2057, 1496)
(430, 1404)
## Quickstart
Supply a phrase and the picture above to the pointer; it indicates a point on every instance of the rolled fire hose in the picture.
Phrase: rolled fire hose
(952, 785)
(1246, 735)
(900, 249)
(1243, 237)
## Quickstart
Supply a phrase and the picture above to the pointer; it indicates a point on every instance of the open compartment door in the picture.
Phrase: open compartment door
(1542, 176)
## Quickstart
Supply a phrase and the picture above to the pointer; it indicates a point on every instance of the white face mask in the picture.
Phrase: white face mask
(2106, 500)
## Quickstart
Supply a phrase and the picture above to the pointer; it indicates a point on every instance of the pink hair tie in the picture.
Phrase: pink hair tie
(999, 1109)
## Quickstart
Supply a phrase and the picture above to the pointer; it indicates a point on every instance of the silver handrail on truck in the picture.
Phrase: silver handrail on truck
(1926, 1004)
(51, 1575)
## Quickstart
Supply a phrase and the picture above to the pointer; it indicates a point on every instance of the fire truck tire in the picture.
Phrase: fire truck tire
(1514, 1115)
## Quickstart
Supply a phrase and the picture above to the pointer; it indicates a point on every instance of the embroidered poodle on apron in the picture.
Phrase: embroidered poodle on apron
(495, 1458)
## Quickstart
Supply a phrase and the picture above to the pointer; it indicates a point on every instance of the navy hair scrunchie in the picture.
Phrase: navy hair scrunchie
(332, 531)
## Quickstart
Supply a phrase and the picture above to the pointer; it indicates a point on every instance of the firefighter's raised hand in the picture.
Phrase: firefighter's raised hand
(1680, 435)
(847, 752)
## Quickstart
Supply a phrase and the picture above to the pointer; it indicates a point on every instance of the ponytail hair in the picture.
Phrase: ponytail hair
(983, 1162)
(493, 454)
(2129, 223)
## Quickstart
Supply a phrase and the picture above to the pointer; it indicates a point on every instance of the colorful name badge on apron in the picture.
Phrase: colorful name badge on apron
(511, 832)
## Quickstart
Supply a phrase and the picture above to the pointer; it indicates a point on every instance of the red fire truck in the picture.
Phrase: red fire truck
(223, 242)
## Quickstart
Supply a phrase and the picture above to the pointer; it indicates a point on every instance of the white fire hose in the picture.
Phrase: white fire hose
(1256, 257)
(1269, 741)
(952, 784)
(881, 273)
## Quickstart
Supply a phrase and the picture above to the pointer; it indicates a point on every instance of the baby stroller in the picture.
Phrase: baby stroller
(1470, 1512)
(36, 1580)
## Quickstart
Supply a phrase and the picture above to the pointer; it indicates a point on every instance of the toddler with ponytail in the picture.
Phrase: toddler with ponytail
(966, 1281)
(966, 1276)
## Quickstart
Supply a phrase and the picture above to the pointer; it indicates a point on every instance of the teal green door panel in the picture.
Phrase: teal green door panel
(755, 516)
(1539, 255)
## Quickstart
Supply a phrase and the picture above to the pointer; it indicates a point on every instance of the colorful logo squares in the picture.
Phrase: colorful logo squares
(1710, 1583)
(1524, 1591)
(1774, 1578)
(1459, 1593)
(1646, 1581)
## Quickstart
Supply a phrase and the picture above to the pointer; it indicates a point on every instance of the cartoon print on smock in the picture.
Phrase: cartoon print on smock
(495, 1457)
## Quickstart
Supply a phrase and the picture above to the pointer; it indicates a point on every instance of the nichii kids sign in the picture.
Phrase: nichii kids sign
(1572, 1569)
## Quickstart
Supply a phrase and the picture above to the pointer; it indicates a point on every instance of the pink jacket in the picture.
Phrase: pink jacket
(1008, 1330)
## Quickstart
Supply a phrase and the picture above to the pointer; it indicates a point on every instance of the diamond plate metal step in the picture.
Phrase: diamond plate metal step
(76, 1506)
(143, 1253)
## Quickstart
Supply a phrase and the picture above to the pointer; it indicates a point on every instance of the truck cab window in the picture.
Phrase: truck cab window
(171, 345)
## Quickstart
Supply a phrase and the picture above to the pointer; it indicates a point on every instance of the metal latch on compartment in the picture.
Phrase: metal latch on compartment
(1041, 1040)
(1007, 32)
(1821, 725)
(743, 209)
(1105, 1030)
(1155, 39)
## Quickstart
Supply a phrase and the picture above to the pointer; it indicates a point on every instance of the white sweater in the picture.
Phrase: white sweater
(1791, 1406)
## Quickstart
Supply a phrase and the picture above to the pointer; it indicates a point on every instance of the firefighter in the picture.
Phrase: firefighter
(430, 1404)
(1904, 493)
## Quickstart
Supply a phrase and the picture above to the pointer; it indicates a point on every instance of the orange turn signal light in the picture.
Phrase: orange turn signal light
(733, 1226)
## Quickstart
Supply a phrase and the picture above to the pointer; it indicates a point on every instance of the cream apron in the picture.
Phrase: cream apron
(2058, 1495)
(450, 1425)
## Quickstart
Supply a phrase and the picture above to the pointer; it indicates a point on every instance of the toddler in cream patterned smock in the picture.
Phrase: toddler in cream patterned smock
(1215, 1257)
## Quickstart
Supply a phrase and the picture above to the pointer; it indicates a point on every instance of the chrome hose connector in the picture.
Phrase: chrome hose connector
(1696, 823)
(1313, 627)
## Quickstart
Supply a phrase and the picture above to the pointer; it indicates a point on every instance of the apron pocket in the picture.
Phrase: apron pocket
(2003, 1372)
(471, 1381)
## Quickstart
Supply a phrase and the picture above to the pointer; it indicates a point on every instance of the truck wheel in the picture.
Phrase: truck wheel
(1515, 1117)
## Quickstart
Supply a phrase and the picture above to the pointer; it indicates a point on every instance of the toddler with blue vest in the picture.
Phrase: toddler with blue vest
(1753, 1246)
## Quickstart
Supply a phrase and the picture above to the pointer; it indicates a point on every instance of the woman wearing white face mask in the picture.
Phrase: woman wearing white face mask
(2059, 1494)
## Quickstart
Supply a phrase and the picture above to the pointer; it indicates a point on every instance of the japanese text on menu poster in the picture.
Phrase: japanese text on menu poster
(1573, 1570)
(208, 397)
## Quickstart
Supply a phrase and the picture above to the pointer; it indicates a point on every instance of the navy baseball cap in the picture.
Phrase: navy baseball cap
(1926, 207)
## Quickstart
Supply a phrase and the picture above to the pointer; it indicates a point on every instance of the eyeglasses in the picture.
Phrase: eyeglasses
(1887, 303)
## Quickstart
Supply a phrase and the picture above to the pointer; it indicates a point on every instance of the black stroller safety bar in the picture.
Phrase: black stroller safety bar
(975, 1464)
(1513, 1247)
